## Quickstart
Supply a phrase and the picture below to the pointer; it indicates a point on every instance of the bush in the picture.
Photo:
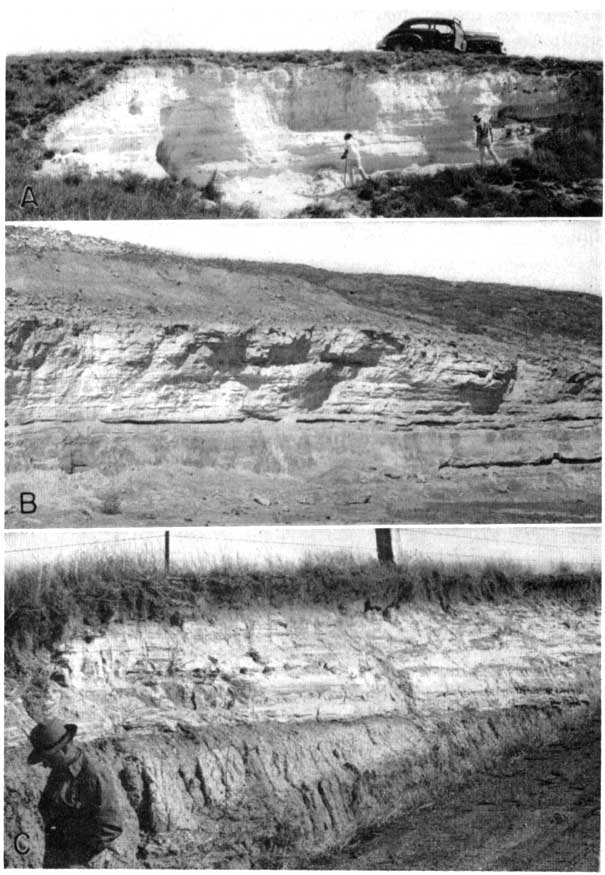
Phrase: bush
(131, 182)
(211, 191)
(110, 504)
(319, 210)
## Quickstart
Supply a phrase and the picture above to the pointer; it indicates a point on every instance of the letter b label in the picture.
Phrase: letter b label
(28, 502)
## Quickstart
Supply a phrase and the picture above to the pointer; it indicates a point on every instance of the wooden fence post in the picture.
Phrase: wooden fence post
(166, 552)
(384, 547)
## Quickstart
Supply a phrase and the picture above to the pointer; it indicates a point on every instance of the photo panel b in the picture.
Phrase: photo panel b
(302, 373)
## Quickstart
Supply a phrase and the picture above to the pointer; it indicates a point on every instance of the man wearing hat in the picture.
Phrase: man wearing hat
(79, 805)
(484, 139)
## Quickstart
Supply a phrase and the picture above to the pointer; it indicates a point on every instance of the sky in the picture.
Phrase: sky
(535, 546)
(269, 25)
(547, 254)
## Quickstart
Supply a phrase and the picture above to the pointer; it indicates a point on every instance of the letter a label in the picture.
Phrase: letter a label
(29, 198)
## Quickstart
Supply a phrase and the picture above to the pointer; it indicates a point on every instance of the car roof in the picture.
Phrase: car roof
(429, 21)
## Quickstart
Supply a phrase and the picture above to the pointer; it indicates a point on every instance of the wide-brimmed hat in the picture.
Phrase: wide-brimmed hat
(47, 738)
(476, 117)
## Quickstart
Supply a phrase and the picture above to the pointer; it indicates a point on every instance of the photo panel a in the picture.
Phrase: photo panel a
(323, 111)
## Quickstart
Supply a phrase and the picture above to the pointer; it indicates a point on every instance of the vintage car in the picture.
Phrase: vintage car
(447, 34)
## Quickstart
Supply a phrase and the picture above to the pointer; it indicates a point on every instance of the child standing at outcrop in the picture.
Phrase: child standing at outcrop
(484, 139)
(352, 159)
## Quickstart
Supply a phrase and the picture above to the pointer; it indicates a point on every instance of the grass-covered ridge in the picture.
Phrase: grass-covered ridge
(44, 603)
(497, 309)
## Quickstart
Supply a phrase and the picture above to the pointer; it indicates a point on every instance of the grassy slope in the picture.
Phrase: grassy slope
(39, 88)
(536, 186)
(44, 602)
(203, 288)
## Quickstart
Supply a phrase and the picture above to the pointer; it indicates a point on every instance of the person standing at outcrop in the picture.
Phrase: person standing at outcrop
(484, 138)
(352, 159)
(79, 805)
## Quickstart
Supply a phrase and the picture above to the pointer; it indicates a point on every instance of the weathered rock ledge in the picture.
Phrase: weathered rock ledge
(180, 373)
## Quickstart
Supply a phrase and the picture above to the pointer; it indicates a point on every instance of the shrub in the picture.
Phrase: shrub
(110, 503)
(319, 210)
(211, 189)
(131, 182)
(74, 177)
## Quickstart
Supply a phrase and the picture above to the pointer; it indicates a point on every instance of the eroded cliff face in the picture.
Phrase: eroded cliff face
(67, 371)
(274, 137)
(295, 384)
(264, 736)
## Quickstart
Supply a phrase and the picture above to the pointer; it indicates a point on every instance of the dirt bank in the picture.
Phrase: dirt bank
(267, 733)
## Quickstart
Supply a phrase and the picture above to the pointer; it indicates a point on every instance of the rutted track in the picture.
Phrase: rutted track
(538, 810)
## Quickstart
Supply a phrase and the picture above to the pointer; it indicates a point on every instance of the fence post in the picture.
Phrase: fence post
(166, 551)
(384, 547)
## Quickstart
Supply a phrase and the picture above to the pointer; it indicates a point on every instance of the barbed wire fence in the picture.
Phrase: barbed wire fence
(586, 550)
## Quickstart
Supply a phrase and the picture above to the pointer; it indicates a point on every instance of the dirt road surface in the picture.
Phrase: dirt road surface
(537, 810)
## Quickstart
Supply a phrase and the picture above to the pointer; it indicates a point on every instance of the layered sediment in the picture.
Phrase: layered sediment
(269, 735)
(71, 371)
(117, 360)
(273, 136)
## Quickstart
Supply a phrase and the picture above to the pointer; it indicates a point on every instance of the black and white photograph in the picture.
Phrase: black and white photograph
(318, 110)
(323, 698)
(302, 519)
(144, 384)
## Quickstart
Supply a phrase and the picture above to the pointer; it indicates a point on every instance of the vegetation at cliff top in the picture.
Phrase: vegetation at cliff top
(40, 88)
(82, 596)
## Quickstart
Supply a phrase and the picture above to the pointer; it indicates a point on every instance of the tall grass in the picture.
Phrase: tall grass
(45, 602)
(532, 186)
(82, 196)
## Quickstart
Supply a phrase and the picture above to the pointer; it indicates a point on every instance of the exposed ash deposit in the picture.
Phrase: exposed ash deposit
(266, 719)
(188, 389)
(264, 133)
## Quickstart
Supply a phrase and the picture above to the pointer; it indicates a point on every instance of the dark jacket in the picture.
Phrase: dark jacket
(81, 813)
